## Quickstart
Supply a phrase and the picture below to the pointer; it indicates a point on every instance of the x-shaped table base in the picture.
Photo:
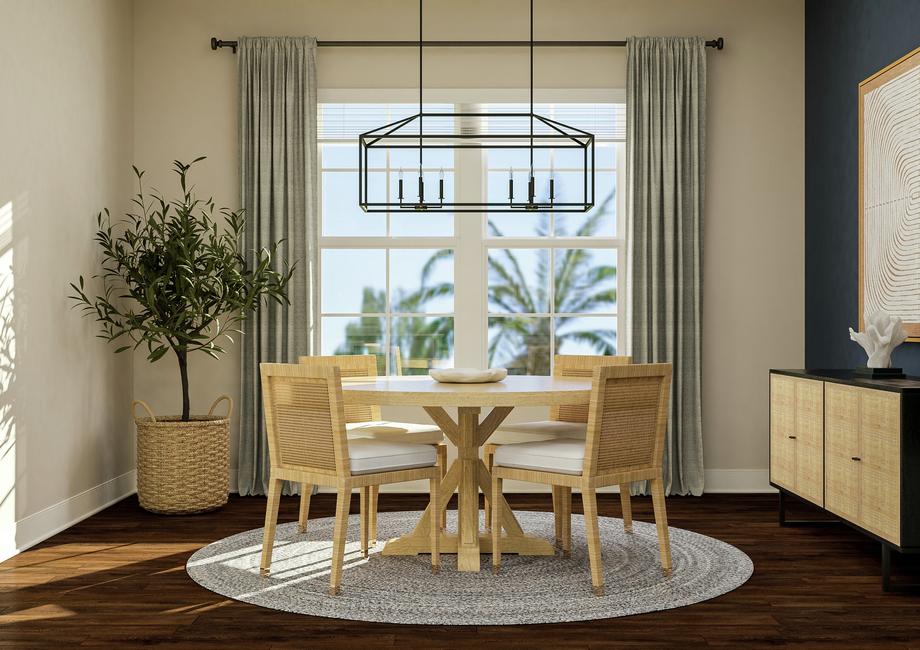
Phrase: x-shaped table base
(468, 474)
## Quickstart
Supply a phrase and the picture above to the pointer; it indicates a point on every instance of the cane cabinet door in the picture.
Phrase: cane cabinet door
(841, 439)
(782, 431)
(880, 462)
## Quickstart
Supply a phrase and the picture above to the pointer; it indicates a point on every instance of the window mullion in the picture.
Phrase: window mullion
(469, 264)
(552, 307)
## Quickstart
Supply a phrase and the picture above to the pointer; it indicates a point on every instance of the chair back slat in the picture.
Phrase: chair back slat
(304, 417)
(628, 418)
(350, 365)
(579, 365)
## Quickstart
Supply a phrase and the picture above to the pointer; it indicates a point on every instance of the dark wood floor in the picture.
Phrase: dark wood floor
(118, 579)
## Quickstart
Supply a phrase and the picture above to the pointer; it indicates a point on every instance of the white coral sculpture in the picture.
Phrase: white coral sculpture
(882, 335)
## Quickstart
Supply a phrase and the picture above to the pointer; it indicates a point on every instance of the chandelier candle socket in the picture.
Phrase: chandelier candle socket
(430, 131)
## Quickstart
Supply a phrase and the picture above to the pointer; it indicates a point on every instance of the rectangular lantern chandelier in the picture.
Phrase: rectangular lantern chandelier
(527, 133)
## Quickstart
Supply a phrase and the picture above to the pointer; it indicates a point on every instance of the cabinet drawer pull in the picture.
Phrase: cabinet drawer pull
(856, 458)
(791, 437)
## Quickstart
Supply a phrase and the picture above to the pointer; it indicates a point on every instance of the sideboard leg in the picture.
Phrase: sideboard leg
(886, 567)
(799, 522)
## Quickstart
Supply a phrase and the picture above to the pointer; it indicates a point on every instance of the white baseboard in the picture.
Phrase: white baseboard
(718, 481)
(45, 523)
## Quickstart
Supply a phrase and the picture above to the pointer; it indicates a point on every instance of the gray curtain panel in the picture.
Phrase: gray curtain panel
(278, 180)
(666, 153)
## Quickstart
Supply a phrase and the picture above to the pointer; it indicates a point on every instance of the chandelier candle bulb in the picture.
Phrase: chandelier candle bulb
(552, 181)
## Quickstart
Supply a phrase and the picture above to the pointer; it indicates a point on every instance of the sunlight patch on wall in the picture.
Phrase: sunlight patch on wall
(7, 387)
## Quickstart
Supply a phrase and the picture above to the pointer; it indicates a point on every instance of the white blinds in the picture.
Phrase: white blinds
(342, 121)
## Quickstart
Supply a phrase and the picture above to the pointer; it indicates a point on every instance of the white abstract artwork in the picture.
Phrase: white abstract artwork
(890, 181)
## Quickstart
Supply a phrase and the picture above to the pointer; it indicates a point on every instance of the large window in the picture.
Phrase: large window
(421, 290)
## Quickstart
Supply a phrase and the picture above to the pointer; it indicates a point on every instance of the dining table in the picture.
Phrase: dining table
(468, 474)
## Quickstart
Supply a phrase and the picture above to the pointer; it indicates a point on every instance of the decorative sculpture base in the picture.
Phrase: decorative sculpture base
(879, 373)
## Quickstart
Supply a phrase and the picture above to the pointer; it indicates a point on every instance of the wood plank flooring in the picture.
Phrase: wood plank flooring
(118, 580)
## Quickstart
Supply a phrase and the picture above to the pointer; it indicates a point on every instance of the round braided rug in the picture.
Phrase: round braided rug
(528, 589)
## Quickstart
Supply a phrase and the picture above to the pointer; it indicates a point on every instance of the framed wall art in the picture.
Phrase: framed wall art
(889, 193)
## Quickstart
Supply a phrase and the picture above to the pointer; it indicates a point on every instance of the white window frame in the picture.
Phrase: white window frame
(470, 241)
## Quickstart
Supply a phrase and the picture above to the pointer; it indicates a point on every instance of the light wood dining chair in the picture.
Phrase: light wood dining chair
(307, 444)
(627, 419)
(364, 422)
(569, 421)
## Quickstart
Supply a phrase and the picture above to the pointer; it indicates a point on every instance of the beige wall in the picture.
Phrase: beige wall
(185, 106)
(66, 440)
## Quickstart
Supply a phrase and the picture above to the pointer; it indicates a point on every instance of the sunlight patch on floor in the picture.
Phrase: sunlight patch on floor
(37, 613)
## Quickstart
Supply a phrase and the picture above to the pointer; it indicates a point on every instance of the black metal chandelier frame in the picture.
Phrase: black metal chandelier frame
(554, 135)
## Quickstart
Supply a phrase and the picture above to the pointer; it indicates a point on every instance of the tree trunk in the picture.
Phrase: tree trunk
(182, 355)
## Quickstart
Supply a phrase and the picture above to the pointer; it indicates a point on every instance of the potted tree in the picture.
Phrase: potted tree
(174, 281)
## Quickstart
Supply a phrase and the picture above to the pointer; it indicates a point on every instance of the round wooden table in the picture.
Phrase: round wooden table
(468, 474)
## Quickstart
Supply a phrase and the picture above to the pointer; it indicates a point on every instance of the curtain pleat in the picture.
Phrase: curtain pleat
(278, 181)
(665, 149)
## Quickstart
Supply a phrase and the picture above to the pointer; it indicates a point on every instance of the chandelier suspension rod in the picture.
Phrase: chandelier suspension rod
(531, 184)
(421, 130)
(216, 44)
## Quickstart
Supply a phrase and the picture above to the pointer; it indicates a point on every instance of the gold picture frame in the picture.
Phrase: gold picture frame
(889, 228)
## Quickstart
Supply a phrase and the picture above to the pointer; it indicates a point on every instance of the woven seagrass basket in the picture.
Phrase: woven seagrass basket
(183, 467)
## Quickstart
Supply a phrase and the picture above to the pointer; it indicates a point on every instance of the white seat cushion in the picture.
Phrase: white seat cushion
(370, 456)
(565, 456)
(422, 434)
(537, 431)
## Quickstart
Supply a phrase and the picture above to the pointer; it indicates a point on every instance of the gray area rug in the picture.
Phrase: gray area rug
(528, 589)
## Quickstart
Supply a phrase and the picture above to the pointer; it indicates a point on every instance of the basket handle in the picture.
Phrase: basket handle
(134, 404)
(218, 401)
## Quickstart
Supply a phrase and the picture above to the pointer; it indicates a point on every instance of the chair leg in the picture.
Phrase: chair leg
(442, 465)
(271, 519)
(496, 525)
(589, 500)
(339, 536)
(565, 498)
(306, 491)
(626, 507)
(488, 454)
(557, 515)
(372, 515)
(365, 517)
(661, 523)
(434, 485)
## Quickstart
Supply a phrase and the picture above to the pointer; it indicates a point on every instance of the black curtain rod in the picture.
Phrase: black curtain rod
(216, 43)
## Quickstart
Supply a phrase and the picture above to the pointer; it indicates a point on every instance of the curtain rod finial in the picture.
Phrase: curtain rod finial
(216, 44)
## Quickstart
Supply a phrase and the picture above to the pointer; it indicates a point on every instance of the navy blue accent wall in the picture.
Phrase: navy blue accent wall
(845, 42)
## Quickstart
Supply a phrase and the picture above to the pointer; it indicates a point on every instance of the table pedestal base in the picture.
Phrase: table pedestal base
(468, 475)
